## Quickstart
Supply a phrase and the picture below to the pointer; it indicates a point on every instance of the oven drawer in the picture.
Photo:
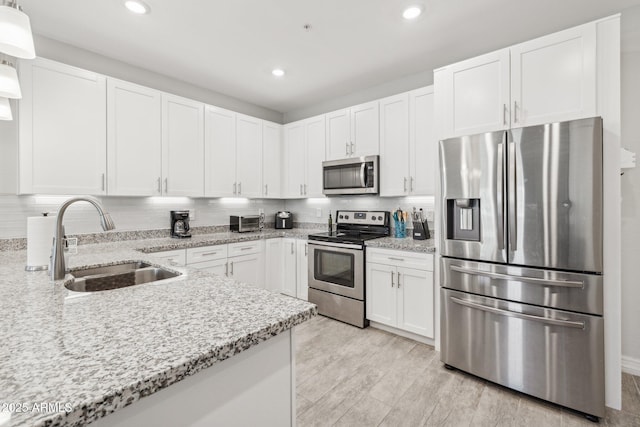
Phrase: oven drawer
(561, 290)
(551, 354)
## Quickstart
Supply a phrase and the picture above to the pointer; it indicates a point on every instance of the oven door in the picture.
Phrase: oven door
(337, 268)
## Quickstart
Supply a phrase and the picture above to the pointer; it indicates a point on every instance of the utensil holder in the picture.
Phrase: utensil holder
(400, 230)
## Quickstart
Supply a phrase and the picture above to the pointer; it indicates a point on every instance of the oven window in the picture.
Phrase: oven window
(334, 267)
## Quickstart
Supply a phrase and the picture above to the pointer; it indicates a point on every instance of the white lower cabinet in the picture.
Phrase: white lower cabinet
(400, 290)
(286, 266)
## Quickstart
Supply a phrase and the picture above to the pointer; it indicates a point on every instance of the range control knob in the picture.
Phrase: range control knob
(379, 218)
(341, 217)
(346, 217)
(373, 218)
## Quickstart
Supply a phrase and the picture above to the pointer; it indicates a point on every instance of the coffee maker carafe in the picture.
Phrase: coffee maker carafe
(180, 224)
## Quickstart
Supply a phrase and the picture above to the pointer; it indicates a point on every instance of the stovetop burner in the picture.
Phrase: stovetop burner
(356, 227)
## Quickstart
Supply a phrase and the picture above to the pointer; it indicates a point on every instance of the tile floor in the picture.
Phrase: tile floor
(351, 377)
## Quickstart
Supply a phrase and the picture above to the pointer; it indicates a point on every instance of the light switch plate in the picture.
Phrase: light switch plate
(318, 212)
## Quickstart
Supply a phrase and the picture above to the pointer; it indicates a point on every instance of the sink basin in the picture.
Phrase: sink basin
(117, 276)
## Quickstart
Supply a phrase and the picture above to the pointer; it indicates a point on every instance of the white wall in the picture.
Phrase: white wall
(128, 213)
(58, 51)
(630, 182)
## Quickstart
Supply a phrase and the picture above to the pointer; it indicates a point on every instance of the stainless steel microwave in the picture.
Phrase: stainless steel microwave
(357, 175)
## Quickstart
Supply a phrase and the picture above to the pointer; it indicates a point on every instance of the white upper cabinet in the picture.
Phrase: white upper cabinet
(294, 167)
(182, 146)
(62, 129)
(549, 79)
(353, 132)
(134, 125)
(315, 146)
(249, 156)
(220, 152)
(408, 149)
(553, 78)
(394, 145)
(271, 160)
(304, 151)
(423, 143)
(475, 94)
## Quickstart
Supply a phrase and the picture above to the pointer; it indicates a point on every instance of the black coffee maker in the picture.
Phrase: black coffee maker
(180, 224)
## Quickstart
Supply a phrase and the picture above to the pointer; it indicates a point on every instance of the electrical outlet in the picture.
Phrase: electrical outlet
(260, 211)
(192, 215)
(318, 212)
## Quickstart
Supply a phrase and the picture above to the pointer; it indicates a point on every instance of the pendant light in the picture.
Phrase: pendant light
(15, 31)
(9, 85)
(5, 109)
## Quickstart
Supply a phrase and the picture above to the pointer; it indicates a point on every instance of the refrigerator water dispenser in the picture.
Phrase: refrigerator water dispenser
(463, 219)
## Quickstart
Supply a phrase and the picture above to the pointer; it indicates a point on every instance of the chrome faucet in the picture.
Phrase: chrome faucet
(56, 265)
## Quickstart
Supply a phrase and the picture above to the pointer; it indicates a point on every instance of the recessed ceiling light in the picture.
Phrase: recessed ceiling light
(412, 12)
(278, 72)
(137, 6)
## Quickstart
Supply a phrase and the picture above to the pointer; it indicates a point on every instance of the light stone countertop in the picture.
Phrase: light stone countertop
(405, 244)
(102, 351)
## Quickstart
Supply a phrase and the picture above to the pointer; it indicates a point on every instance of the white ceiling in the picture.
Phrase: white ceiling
(230, 46)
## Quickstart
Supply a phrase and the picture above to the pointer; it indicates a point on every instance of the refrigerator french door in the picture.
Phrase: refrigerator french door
(521, 246)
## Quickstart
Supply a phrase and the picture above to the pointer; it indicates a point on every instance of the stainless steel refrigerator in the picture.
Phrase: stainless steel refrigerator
(521, 267)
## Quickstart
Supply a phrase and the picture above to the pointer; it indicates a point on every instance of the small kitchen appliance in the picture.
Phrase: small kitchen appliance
(284, 220)
(336, 268)
(180, 224)
(244, 223)
(356, 175)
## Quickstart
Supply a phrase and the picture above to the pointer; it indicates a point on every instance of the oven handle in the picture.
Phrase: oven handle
(535, 280)
(334, 245)
(508, 313)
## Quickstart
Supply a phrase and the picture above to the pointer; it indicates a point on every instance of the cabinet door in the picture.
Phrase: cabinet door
(475, 94)
(271, 160)
(415, 301)
(295, 154)
(220, 152)
(249, 156)
(274, 264)
(338, 135)
(381, 293)
(134, 129)
(218, 267)
(246, 269)
(303, 269)
(423, 145)
(315, 138)
(365, 130)
(394, 145)
(553, 78)
(182, 146)
(63, 137)
(290, 277)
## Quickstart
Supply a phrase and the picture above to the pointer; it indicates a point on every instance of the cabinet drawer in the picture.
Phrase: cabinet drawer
(244, 248)
(207, 253)
(177, 257)
(417, 260)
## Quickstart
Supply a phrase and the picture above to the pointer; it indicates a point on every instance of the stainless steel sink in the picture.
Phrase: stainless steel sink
(117, 276)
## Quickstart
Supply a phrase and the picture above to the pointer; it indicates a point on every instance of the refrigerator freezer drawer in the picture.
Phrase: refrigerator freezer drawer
(554, 355)
(554, 289)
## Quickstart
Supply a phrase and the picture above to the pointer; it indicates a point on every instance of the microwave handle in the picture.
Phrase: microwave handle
(363, 175)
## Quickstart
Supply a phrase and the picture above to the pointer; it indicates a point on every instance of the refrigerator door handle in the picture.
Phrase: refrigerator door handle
(508, 313)
(536, 280)
(513, 205)
(499, 195)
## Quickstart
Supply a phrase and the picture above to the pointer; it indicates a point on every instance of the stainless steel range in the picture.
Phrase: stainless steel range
(521, 272)
(336, 265)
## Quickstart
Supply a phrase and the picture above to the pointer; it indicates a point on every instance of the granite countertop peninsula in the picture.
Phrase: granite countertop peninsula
(94, 353)
(403, 244)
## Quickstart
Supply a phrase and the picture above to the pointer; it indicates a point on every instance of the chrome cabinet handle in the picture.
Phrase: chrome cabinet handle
(159, 185)
(398, 280)
(103, 184)
(534, 280)
(352, 150)
(515, 111)
(166, 185)
(411, 184)
(347, 148)
(405, 184)
(246, 248)
(504, 114)
(239, 188)
(234, 188)
(392, 284)
(305, 189)
(508, 313)
(499, 198)
(301, 193)
(226, 269)
(232, 268)
(513, 194)
(395, 259)
(266, 189)
(209, 253)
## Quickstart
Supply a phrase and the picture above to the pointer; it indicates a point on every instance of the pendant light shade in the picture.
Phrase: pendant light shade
(15, 32)
(5, 109)
(9, 85)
